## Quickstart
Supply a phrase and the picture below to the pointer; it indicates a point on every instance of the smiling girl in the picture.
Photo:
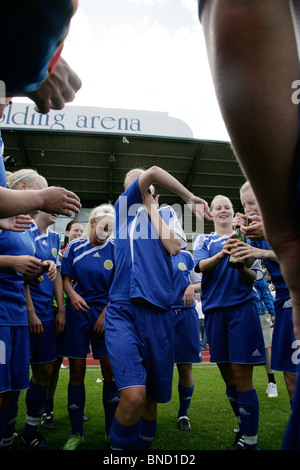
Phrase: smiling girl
(231, 319)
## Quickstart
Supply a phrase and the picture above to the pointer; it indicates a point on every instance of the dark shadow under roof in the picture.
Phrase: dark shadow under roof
(94, 165)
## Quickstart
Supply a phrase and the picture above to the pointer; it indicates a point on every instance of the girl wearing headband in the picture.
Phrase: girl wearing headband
(20, 266)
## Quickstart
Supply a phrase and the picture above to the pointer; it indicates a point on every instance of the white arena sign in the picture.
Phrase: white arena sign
(98, 120)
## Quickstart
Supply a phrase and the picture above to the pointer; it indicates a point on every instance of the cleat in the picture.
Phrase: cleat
(35, 441)
(238, 443)
(272, 390)
(183, 423)
(74, 441)
(47, 421)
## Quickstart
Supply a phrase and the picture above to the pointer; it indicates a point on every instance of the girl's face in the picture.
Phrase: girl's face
(49, 219)
(75, 231)
(102, 227)
(249, 202)
(222, 211)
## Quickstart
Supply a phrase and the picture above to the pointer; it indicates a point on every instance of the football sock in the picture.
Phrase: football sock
(249, 411)
(111, 398)
(123, 437)
(11, 418)
(35, 401)
(185, 397)
(76, 402)
(271, 378)
(2, 426)
(49, 405)
(231, 393)
(147, 433)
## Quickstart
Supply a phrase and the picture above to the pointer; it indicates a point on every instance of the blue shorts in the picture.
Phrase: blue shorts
(291, 439)
(79, 334)
(187, 336)
(140, 343)
(282, 342)
(43, 348)
(234, 335)
(14, 358)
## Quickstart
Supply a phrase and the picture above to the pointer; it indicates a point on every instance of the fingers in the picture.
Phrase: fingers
(42, 104)
(72, 202)
(60, 200)
(59, 327)
(36, 328)
(32, 264)
(200, 209)
(51, 268)
(80, 305)
(57, 90)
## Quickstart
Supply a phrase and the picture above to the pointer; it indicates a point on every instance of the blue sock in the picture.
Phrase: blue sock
(2, 427)
(233, 400)
(11, 418)
(123, 437)
(185, 397)
(49, 405)
(147, 433)
(111, 398)
(249, 414)
(35, 401)
(76, 402)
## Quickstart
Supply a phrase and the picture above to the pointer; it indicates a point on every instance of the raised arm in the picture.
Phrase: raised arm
(161, 177)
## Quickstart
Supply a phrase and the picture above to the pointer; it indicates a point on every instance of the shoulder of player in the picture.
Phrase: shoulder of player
(76, 244)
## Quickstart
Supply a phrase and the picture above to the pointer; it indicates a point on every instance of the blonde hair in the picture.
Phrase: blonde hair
(130, 173)
(219, 195)
(246, 186)
(104, 210)
(28, 176)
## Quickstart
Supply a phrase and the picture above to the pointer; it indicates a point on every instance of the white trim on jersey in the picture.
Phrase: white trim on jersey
(95, 248)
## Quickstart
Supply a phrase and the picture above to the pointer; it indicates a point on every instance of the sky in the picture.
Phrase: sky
(145, 55)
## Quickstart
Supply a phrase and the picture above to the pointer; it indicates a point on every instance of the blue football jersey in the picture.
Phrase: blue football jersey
(184, 275)
(223, 286)
(91, 268)
(282, 293)
(12, 294)
(47, 248)
(143, 266)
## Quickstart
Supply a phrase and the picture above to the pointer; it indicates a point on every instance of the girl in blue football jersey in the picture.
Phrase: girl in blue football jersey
(231, 320)
(88, 270)
(42, 324)
(19, 266)
(187, 331)
(139, 322)
(74, 229)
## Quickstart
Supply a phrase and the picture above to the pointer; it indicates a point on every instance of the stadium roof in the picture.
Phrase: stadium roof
(93, 165)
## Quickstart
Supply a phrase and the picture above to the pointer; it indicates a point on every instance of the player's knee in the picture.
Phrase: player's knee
(132, 401)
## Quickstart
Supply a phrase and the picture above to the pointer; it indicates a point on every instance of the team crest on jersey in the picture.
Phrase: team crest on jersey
(182, 266)
(108, 264)
(54, 252)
